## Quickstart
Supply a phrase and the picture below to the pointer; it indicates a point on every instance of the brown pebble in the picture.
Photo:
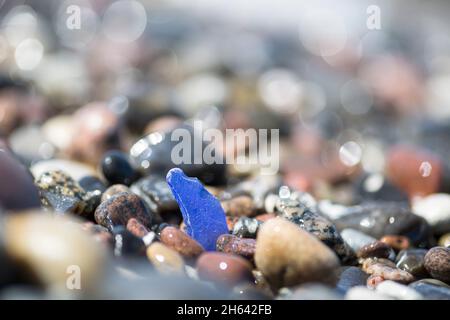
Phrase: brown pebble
(165, 259)
(121, 207)
(374, 280)
(444, 241)
(239, 206)
(114, 189)
(235, 245)
(180, 242)
(136, 228)
(223, 268)
(389, 273)
(376, 249)
(437, 263)
(397, 243)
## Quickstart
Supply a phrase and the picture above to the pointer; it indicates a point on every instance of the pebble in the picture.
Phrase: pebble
(397, 243)
(77, 170)
(117, 169)
(48, 245)
(113, 190)
(137, 228)
(388, 272)
(202, 213)
(314, 292)
(152, 155)
(126, 243)
(376, 249)
(444, 241)
(61, 193)
(381, 218)
(58, 131)
(17, 190)
(435, 209)
(179, 241)
(155, 191)
(398, 291)
(374, 280)
(246, 227)
(223, 268)
(431, 290)
(356, 239)
(350, 277)
(96, 130)
(412, 261)
(363, 293)
(235, 245)
(92, 184)
(375, 187)
(121, 207)
(165, 259)
(287, 255)
(239, 206)
(437, 263)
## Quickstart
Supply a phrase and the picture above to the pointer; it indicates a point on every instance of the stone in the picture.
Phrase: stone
(152, 155)
(224, 269)
(120, 208)
(404, 168)
(126, 243)
(76, 169)
(364, 293)
(202, 213)
(381, 218)
(356, 239)
(136, 228)
(387, 272)
(96, 130)
(47, 246)
(397, 243)
(431, 291)
(92, 184)
(374, 280)
(246, 227)
(288, 255)
(412, 261)
(350, 277)
(398, 291)
(165, 259)
(17, 190)
(239, 206)
(117, 169)
(375, 249)
(376, 187)
(113, 190)
(314, 292)
(444, 241)
(179, 241)
(61, 193)
(235, 245)
(155, 191)
(58, 131)
(437, 263)
(435, 209)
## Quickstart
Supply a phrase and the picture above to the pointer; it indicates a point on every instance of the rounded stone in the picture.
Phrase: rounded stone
(444, 241)
(77, 170)
(113, 190)
(222, 268)
(435, 209)
(244, 247)
(117, 169)
(397, 243)
(120, 208)
(165, 259)
(126, 243)
(288, 255)
(180, 242)
(136, 228)
(412, 261)
(239, 206)
(49, 246)
(375, 249)
(17, 190)
(437, 263)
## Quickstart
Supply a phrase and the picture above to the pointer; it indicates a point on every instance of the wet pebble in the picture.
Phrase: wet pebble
(246, 227)
(356, 239)
(126, 243)
(314, 292)
(412, 261)
(121, 207)
(113, 190)
(165, 259)
(116, 168)
(437, 263)
(223, 268)
(137, 228)
(350, 277)
(244, 247)
(77, 170)
(179, 241)
(398, 291)
(386, 272)
(364, 293)
(444, 241)
(375, 249)
(287, 255)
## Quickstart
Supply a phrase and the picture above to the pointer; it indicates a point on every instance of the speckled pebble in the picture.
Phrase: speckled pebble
(244, 247)
(437, 263)
(113, 190)
(375, 249)
(137, 228)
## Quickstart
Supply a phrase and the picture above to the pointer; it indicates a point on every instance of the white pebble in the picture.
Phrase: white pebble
(331, 210)
(356, 239)
(435, 209)
(364, 293)
(398, 291)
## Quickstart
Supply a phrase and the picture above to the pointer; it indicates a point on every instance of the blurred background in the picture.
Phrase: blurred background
(342, 81)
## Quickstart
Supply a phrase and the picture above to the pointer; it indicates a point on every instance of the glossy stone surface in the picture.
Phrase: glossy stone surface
(117, 169)
(235, 245)
(136, 228)
(356, 239)
(121, 207)
(202, 213)
(386, 272)
(152, 154)
(288, 255)
(398, 291)
(246, 227)
(376, 187)
(179, 241)
(350, 277)
(225, 269)
(126, 243)
(114, 189)
(412, 260)
(437, 263)
(375, 249)
(397, 243)
(17, 190)
(431, 291)
(165, 259)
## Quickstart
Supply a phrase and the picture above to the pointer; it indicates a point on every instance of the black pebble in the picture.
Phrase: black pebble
(117, 169)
